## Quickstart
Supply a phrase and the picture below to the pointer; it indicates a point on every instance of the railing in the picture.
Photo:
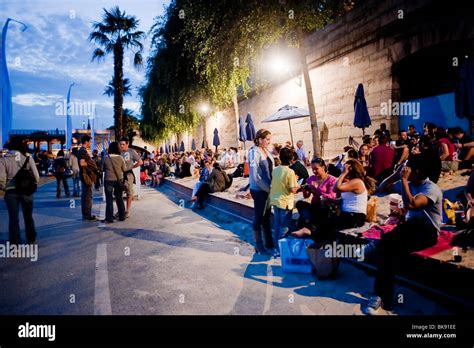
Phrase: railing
(36, 131)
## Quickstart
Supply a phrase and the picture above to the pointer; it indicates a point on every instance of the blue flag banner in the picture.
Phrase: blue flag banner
(6, 124)
(69, 119)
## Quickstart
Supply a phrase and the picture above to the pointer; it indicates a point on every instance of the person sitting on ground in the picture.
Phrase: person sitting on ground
(282, 196)
(381, 160)
(423, 201)
(215, 183)
(465, 145)
(203, 177)
(429, 129)
(426, 147)
(226, 161)
(383, 131)
(163, 171)
(402, 147)
(152, 169)
(301, 152)
(298, 167)
(412, 131)
(469, 195)
(364, 154)
(320, 187)
(447, 152)
(354, 187)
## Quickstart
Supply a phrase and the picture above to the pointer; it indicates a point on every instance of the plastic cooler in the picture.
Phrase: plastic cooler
(294, 258)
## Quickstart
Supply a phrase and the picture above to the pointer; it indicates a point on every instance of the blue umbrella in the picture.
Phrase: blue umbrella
(175, 147)
(203, 145)
(167, 149)
(216, 141)
(161, 149)
(361, 113)
(464, 91)
(181, 148)
(193, 145)
(250, 128)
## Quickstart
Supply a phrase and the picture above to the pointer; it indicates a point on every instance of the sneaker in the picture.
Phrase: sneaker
(260, 249)
(106, 221)
(373, 306)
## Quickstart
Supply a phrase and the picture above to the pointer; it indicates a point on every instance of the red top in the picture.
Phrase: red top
(451, 148)
(381, 159)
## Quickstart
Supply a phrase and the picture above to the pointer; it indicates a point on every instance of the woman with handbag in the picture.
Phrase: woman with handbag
(114, 166)
(354, 187)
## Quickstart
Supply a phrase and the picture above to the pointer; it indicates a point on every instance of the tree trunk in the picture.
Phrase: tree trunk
(236, 111)
(118, 90)
(309, 95)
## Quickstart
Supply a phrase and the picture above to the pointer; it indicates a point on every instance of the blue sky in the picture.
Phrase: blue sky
(54, 52)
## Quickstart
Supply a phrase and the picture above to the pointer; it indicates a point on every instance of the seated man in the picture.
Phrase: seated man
(402, 147)
(464, 144)
(423, 201)
(381, 160)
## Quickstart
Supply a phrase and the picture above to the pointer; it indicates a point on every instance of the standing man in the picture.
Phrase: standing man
(88, 170)
(132, 160)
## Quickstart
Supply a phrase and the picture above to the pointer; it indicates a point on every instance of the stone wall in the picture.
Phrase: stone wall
(361, 47)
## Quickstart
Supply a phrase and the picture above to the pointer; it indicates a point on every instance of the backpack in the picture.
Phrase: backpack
(228, 179)
(25, 181)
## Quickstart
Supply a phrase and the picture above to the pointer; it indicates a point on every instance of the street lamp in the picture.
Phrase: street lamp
(204, 107)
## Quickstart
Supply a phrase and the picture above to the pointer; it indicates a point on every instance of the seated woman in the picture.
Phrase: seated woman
(203, 177)
(215, 183)
(354, 187)
(320, 187)
(162, 172)
(447, 152)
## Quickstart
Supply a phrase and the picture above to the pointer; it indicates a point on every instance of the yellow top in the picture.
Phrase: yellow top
(283, 180)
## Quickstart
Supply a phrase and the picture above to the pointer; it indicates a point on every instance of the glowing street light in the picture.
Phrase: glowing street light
(204, 107)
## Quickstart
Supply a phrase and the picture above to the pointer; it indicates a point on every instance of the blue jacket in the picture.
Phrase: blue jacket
(260, 177)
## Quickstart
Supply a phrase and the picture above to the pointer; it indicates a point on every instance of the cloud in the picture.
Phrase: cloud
(35, 99)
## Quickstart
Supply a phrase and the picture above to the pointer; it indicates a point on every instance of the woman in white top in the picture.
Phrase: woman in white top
(354, 187)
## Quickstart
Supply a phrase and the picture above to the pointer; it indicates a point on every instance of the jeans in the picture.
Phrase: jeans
(61, 178)
(86, 201)
(262, 216)
(280, 224)
(113, 188)
(202, 192)
(404, 239)
(13, 201)
(75, 184)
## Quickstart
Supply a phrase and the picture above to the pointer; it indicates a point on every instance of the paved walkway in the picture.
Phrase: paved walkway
(166, 259)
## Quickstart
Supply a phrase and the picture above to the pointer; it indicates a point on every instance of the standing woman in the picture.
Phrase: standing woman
(74, 163)
(10, 164)
(261, 165)
(114, 166)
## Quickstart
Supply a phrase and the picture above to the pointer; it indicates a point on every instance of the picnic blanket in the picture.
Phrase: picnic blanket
(444, 239)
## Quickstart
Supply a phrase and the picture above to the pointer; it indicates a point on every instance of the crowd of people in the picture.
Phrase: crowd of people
(335, 195)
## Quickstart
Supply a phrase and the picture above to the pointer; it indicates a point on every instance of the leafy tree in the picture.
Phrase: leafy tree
(217, 42)
(116, 33)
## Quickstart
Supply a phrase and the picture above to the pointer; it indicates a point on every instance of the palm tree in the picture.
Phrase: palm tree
(114, 34)
(109, 90)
